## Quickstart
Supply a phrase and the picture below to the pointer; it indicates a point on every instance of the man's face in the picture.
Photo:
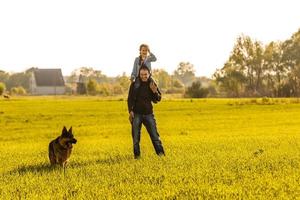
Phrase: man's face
(144, 75)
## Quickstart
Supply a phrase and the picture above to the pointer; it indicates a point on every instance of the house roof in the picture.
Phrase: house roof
(49, 77)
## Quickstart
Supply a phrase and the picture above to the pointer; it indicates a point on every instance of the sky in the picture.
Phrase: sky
(106, 34)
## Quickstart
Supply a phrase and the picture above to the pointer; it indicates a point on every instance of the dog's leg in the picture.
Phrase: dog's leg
(52, 156)
(64, 171)
(66, 163)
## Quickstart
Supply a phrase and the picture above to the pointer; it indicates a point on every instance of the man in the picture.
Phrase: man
(141, 111)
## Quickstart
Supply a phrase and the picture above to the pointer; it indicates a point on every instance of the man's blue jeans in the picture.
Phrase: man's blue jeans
(150, 124)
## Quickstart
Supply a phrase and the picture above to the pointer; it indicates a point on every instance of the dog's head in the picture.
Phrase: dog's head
(67, 138)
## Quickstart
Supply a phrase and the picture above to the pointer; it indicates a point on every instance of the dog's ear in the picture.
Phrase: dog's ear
(70, 130)
(64, 131)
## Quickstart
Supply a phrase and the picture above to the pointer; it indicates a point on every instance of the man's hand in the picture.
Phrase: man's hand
(153, 87)
(131, 116)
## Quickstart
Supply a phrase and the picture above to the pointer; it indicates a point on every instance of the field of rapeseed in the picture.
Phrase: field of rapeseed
(215, 149)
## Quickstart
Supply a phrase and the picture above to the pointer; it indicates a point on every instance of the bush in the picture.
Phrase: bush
(117, 89)
(196, 91)
(18, 91)
(2, 88)
(104, 89)
(178, 84)
(175, 90)
(21, 91)
(92, 87)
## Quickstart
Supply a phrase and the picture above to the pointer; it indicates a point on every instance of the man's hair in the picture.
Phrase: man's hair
(144, 67)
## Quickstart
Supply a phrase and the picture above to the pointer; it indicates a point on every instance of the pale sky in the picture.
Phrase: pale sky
(106, 34)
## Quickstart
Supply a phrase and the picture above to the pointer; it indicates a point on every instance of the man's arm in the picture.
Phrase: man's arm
(130, 100)
(156, 94)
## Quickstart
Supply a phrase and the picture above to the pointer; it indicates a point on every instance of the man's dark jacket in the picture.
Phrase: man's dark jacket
(139, 99)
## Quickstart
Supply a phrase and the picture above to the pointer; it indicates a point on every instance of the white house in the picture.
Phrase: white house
(47, 82)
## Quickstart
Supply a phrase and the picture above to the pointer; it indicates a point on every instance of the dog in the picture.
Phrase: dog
(60, 149)
(6, 96)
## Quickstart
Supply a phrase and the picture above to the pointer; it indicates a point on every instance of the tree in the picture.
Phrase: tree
(124, 81)
(185, 72)
(81, 88)
(242, 74)
(92, 87)
(230, 80)
(291, 58)
(30, 70)
(162, 77)
(85, 71)
(2, 88)
(275, 70)
(247, 58)
(73, 78)
(18, 79)
(4, 76)
(176, 86)
(258, 66)
(89, 72)
(177, 83)
(196, 90)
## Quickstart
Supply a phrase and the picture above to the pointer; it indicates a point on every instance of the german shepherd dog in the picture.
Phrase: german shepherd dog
(60, 149)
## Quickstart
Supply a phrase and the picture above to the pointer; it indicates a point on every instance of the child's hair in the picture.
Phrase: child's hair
(140, 61)
(144, 45)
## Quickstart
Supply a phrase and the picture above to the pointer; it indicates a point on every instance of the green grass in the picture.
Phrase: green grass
(215, 149)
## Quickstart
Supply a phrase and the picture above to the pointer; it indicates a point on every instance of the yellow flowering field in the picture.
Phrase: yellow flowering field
(215, 149)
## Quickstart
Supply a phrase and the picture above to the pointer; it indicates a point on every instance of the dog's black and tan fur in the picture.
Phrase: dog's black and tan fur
(60, 149)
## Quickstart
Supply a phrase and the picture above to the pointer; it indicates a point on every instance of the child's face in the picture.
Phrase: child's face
(144, 51)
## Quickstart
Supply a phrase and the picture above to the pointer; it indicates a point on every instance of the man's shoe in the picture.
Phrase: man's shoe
(161, 154)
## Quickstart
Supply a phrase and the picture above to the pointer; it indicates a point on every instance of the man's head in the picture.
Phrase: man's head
(144, 73)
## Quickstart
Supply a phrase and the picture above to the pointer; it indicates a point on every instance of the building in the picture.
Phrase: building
(47, 82)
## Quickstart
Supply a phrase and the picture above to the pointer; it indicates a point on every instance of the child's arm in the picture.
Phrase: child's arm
(151, 57)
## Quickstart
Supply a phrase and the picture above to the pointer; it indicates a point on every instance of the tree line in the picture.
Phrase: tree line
(252, 70)
(88, 81)
(255, 70)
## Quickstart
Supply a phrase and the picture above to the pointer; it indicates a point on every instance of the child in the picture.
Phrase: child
(143, 59)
